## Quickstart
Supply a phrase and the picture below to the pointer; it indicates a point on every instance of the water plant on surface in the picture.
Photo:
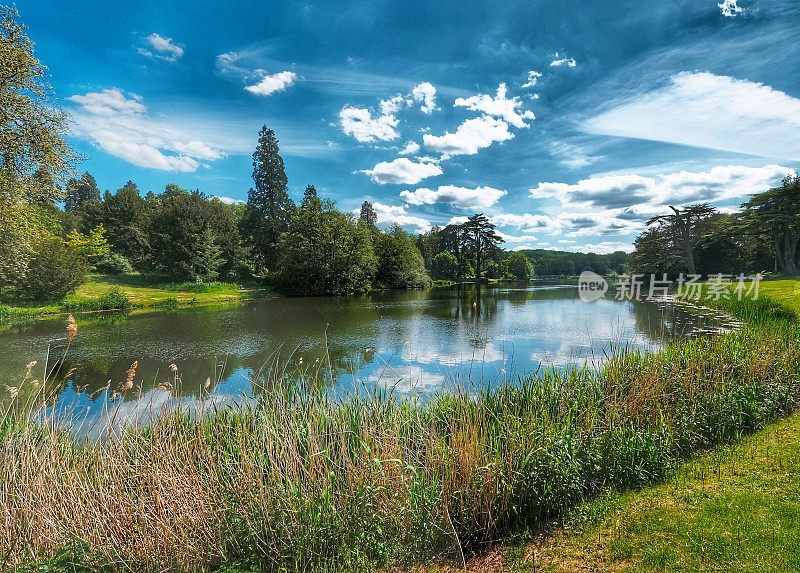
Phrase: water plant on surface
(300, 482)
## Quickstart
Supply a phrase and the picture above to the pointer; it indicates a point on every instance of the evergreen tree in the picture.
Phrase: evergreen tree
(310, 198)
(80, 192)
(368, 214)
(269, 208)
(481, 240)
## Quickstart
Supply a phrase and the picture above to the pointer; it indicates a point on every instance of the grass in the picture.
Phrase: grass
(141, 293)
(298, 482)
(734, 509)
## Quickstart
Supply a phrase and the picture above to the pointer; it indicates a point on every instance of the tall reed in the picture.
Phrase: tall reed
(300, 482)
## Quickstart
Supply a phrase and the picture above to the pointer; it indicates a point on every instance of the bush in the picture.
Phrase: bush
(114, 264)
(54, 271)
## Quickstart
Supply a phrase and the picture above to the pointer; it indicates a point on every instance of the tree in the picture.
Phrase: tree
(445, 266)
(686, 226)
(325, 252)
(31, 132)
(775, 214)
(481, 239)
(520, 266)
(33, 153)
(192, 238)
(269, 208)
(368, 215)
(94, 246)
(656, 252)
(453, 240)
(56, 270)
(125, 216)
(80, 192)
(310, 198)
(400, 264)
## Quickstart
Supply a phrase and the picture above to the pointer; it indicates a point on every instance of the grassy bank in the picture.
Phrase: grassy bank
(734, 509)
(141, 294)
(300, 483)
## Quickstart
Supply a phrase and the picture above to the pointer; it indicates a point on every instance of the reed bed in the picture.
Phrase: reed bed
(300, 482)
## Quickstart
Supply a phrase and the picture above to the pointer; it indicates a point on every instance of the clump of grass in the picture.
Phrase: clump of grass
(297, 481)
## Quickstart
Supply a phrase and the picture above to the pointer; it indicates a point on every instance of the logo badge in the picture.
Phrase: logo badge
(591, 286)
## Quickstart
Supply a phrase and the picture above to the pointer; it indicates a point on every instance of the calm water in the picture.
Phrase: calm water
(410, 342)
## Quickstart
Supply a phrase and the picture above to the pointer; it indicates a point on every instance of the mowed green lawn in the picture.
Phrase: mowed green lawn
(784, 291)
(143, 294)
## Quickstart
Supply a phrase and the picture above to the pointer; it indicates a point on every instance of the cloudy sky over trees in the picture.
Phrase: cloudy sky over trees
(569, 123)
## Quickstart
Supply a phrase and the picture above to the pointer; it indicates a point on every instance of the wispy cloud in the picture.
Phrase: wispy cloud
(701, 109)
(161, 48)
(533, 79)
(119, 125)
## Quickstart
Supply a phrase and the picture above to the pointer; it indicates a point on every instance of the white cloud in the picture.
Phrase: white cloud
(517, 238)
(389, 215)
(411, 148)
(425, 93)
(197, 149)
(527, 222)
(360, 124)
(110, 102)
(457, 220)
(229, 200)
(730, 8)
(721, 183)
(710, 111)
(563, 61)
(470, 137)
(402, 170)
(533, 79)
(509, 110)
(270, 84)
(161, 48)
(459, 197)
(366, 126)
(119, 125)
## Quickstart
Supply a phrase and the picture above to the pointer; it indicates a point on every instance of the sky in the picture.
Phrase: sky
(569, 123)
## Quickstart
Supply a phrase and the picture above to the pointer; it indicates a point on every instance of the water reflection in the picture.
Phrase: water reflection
(408, 342)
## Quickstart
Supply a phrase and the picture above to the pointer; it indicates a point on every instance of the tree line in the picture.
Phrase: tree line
(699, 239)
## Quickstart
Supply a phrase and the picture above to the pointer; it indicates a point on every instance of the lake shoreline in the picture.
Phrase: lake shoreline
(373, 482)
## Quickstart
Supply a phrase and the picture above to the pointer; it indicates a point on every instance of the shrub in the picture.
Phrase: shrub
(114, 264)
(54, 271)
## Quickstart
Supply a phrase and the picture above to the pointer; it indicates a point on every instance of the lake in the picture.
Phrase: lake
(410, 342)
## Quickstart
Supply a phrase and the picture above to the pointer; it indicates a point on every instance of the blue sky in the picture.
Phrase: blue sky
(568, 122)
